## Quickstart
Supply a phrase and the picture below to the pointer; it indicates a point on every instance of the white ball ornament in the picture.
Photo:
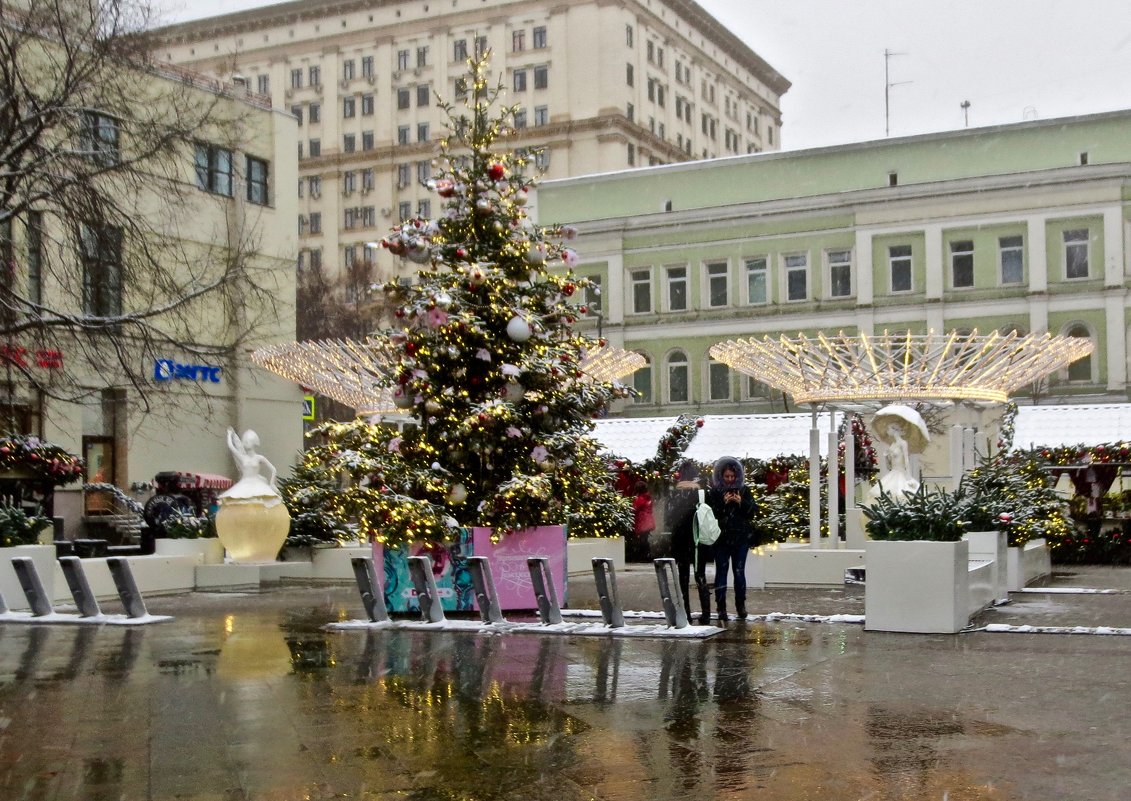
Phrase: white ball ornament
(518, 329)
(457, 494)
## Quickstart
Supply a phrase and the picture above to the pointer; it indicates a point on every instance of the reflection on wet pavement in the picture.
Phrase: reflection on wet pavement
(246, 697)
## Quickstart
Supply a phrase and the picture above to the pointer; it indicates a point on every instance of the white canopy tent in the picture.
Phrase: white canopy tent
(1085, 424)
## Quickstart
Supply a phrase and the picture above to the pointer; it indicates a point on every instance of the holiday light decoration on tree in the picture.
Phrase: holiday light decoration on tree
(485, 359)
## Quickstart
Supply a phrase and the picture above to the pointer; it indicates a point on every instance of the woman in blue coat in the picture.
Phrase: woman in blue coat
(733, 505)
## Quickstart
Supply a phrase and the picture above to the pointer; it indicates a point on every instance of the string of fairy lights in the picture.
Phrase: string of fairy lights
(906, 366)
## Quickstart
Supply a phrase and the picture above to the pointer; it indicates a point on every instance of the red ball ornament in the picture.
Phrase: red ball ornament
(568, 288)
(699, 422)
(496, 171)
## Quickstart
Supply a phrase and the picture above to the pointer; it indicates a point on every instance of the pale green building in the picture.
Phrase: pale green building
(1020, 226)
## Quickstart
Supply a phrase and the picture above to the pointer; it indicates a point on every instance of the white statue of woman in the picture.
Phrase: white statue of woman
(252, 466)
(897, 478)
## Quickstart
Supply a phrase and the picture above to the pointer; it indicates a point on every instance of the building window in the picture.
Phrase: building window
(35, 256)
(480, 46)
(367, 179)
(350, 252)
(403, 132)
(520, 80)
(541, 115)
(100, 137)
(101, 251)
(315, 76)
(962, 264)
(519, 118)
(459, 50)
(214, 169)
(257, 181)
(650, 49)
(632, 155)
(541, 77)
(518, 40)
(422, 132)
(315, 148)
(347, 223)
(315, 222)
(316, 258)
(263, 84)
(424, 209)
(315, 112)
(593, 296)
(1011, 257)
(404, 175)
(629, 75)
(717, 287)
(652, 89)
(630, 113)
(678, 374)
(367, 66)
(677, 288)
(349, 107)
(642, 382)
(296, 79)
(757, 289)
(367, 140)
(423, 95)
(402, 59)
(296, 112)
(1081, 369)
(641, 291)
(797, 276)
(369, 216)
(423, 171)
(404, 99)
(840, 273)
(718, 383)
(422, 56)
(349, 182)
(347, 70)
(628, 35)
(315, 187)
(367, 105)
(1076, 245)
(899, 267)
(539, 37)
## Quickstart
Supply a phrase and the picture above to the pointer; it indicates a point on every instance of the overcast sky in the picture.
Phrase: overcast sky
(1010, 59)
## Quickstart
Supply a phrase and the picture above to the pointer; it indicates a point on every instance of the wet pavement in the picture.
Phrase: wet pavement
(245, 697)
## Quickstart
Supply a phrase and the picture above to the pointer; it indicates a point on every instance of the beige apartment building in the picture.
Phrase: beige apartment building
(600, 86)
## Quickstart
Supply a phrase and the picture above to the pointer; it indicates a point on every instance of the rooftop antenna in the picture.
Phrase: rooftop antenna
(965, 104)
(887, 89)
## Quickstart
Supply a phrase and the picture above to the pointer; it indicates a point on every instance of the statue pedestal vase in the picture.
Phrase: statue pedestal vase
(252, 530)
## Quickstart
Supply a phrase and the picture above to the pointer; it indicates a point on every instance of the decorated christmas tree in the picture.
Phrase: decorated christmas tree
(484, 359)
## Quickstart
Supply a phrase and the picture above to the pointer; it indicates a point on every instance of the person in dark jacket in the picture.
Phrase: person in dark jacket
(733, 504)
(680, 515)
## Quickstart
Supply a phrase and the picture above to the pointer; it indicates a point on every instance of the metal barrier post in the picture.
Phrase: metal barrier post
(544, 594)
(420, 568)
(36, 596)
(126, 586)
(79, 586)
(485, 596)
(372, 597)
(605, 574)
(672, 601)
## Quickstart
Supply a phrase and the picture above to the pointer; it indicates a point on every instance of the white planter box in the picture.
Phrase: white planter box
(581, 551)
(917, 586)
(1027, 563)
(992, 545)
(205, 550)
(44, 558)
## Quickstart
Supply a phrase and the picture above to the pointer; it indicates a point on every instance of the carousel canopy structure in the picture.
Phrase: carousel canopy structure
(928, 367)
(357, 374)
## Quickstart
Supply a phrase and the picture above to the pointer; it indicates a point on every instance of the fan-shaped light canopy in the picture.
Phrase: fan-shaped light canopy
(357, 374)
(945, 367)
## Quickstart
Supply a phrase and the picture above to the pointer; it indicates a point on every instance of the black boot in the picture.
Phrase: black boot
(740, 608)
(722, 602)
(704, 606)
